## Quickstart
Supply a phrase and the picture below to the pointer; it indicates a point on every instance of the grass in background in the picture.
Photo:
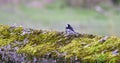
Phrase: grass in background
(53, 18)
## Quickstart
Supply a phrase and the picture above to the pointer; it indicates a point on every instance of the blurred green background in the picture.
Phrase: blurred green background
(101, 17)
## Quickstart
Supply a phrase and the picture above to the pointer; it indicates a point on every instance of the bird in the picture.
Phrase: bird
(70, 30)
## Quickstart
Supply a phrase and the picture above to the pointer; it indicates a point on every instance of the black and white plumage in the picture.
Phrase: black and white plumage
(70, 30)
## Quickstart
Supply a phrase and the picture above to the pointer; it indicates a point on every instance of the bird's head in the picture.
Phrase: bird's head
(68, 25)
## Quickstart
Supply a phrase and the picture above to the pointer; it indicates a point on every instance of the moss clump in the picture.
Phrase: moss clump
(83, 48)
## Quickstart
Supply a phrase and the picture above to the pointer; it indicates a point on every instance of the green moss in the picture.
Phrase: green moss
(85, 47)
(4, 42)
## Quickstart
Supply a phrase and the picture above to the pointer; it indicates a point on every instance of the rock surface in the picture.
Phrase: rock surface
(24, 45)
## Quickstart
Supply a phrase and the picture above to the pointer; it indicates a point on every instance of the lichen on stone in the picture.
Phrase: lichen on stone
(35, 46)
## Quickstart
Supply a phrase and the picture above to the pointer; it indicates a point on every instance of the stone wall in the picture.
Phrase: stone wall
(25, 45)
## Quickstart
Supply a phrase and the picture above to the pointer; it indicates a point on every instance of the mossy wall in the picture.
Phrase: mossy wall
(18, 44)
